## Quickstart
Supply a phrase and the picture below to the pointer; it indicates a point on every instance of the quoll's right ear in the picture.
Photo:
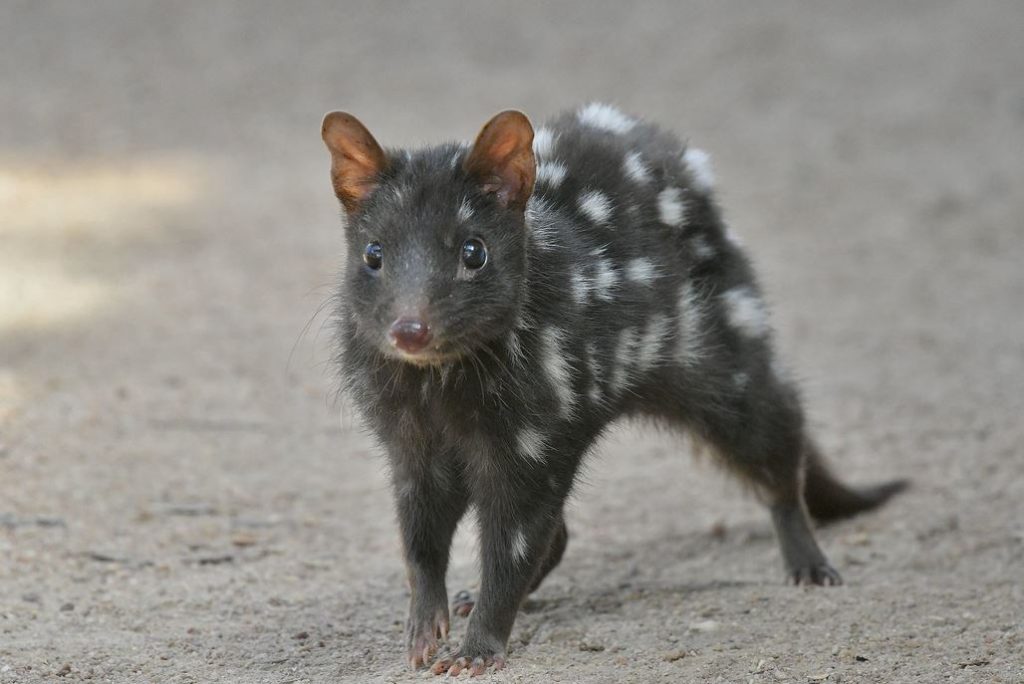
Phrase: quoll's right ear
(356, 159)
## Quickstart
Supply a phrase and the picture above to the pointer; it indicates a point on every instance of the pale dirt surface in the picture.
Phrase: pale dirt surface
(178, 500)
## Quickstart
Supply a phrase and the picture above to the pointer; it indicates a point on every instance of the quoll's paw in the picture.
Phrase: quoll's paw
(476, 663)
(462, 604)
(821, 574)
(424, 637)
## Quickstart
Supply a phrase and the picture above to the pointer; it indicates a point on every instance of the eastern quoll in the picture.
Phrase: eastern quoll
(504, 302)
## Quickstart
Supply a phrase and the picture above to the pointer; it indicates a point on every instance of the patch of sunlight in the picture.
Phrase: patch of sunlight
(97, 196)
(43, 210)
(36, 294)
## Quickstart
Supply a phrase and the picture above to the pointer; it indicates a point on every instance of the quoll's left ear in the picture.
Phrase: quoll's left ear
(502, 159)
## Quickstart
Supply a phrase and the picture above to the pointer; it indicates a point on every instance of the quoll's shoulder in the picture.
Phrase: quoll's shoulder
(599, 145)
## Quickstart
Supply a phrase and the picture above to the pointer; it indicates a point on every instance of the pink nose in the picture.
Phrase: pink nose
(409, 334)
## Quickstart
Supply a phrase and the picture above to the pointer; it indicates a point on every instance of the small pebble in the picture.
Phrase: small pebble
(718, 530)
(704, 626)
(243, 539)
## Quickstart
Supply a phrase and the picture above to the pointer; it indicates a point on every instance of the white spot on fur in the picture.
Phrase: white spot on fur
(699, 163)
(641, 271)
(465, 211)
(733, 237)
(701, 249)
(519, 546)
(636, 169)
(596, 206)
(541, 223)
(556, 365)
(690, 310)
(671, 208)
(594, 366)
(605, 280)
(531, 444)
(624, 353)
(543, 142)
(582, 286)
(552, 173)
(746, 311)
(605, 117)
(740, 380)
(652, 342)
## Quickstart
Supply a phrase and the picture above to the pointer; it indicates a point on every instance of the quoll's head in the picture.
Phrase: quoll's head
(436, 259)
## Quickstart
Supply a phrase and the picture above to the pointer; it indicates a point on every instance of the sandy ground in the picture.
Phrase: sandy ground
(179, 501)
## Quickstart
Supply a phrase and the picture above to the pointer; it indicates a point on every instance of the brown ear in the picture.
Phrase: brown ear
(356, 158)
(502, 158)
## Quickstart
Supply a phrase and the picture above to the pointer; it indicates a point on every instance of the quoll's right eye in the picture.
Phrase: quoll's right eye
(373, 255)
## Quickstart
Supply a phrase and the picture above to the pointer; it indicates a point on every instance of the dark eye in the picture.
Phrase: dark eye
(474, 253)
(373, 255)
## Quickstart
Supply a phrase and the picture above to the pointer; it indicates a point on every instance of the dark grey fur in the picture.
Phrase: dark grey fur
(457, 433)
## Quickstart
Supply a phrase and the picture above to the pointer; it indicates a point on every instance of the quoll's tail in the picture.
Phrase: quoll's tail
(829, 500)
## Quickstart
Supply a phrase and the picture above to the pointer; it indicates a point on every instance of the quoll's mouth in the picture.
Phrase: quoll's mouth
(436, 354)
(427, 357)
(411, 339)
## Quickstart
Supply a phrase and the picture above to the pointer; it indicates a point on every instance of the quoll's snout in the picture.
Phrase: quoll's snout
(410, 334)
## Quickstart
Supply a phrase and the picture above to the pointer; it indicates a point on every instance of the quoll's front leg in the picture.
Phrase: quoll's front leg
(431, 498)
(517, 530)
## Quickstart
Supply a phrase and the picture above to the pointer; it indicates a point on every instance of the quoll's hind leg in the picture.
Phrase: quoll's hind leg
(559, 540)
(805, 562)
(761, 437)
(462, 603)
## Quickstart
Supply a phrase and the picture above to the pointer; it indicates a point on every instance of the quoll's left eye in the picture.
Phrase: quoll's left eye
(474, 253)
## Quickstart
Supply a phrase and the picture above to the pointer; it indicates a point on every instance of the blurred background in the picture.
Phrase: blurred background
(179, 500)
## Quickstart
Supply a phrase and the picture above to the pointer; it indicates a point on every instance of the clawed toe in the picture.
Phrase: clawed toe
(820, 574)
(454, 664)
(424, 639)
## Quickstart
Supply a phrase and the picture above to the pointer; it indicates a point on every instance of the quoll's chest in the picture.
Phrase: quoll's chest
(454, 406)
